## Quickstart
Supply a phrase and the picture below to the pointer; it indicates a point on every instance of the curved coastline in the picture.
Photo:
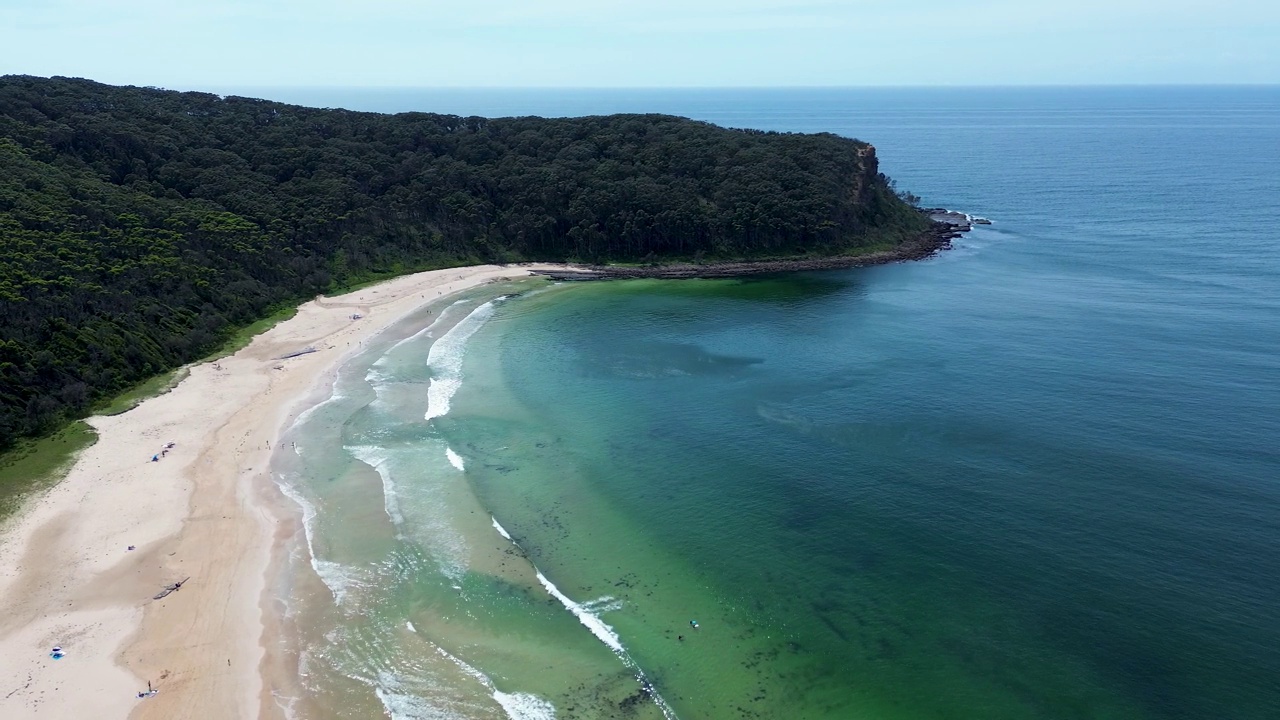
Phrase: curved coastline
(202, 511)
(84, 560)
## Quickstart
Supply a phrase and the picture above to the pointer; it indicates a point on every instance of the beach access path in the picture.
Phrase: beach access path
(201, 511)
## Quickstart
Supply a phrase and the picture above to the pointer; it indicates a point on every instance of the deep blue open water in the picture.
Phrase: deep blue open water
(1036, 476)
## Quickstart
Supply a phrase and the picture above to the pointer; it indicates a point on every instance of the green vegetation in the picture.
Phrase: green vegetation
(32, 465)
(128, 400)
(140, 228)
(241, 337)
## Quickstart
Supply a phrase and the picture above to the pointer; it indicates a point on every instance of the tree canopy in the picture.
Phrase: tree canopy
(140, 227)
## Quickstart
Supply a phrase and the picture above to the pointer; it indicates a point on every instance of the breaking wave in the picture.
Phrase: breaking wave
(376, 458)
(455, 459)
(589, 615)
(339, 578)
(446, 355)
(517, 706)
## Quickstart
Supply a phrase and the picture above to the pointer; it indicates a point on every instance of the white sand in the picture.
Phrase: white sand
(67, 579)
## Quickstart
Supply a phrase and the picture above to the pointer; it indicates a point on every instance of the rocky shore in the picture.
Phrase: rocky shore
(947, 225)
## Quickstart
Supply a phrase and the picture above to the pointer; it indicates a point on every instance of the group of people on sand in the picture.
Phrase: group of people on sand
(163, 451)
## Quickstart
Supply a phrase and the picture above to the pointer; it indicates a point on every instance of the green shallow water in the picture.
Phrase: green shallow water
(402, 597)
(691, 483)
(1033, 477)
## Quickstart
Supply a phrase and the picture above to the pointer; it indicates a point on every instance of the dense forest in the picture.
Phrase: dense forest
(139, 227)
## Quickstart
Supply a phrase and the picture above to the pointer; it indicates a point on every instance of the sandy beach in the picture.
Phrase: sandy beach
(199, 515)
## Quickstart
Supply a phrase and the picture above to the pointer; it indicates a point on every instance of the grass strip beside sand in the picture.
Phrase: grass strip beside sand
(38, 464)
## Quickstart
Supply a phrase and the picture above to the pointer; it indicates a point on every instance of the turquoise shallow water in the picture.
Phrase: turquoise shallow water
(1034, 476)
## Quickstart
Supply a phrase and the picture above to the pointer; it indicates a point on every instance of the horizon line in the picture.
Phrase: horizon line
(904, 86)
(990, 86)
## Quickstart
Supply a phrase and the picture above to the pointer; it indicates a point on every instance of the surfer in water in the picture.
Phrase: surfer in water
(693, 624)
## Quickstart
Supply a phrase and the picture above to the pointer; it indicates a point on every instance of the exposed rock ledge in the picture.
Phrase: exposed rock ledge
(947, 226)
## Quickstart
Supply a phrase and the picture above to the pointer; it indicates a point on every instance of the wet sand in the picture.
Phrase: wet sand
(201, 513)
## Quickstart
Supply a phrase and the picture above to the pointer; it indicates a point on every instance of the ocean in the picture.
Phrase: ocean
(1035, 476)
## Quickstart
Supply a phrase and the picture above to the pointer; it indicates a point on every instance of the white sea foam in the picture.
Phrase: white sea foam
(586, 615)
(308, 509)
(466, 667)
(447, 546)
(597, 626)
(517, 706)
(340, 579)
(446, 355)
(501, 530)
(523, 706)
(454, 459)
(335, 395)
(305, 415)
(424, 332)
(286, 704)
(608, 603)
(402, 704)
(379, 376)
(377, 379)
(376, 458)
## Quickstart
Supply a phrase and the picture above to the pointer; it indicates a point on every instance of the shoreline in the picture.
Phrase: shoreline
(82, 564)
(947, 226)
(200, 514)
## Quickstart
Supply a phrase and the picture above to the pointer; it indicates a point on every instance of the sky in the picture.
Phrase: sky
(657, 43)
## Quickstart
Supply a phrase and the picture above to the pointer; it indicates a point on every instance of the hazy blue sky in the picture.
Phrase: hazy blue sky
(240, 43)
